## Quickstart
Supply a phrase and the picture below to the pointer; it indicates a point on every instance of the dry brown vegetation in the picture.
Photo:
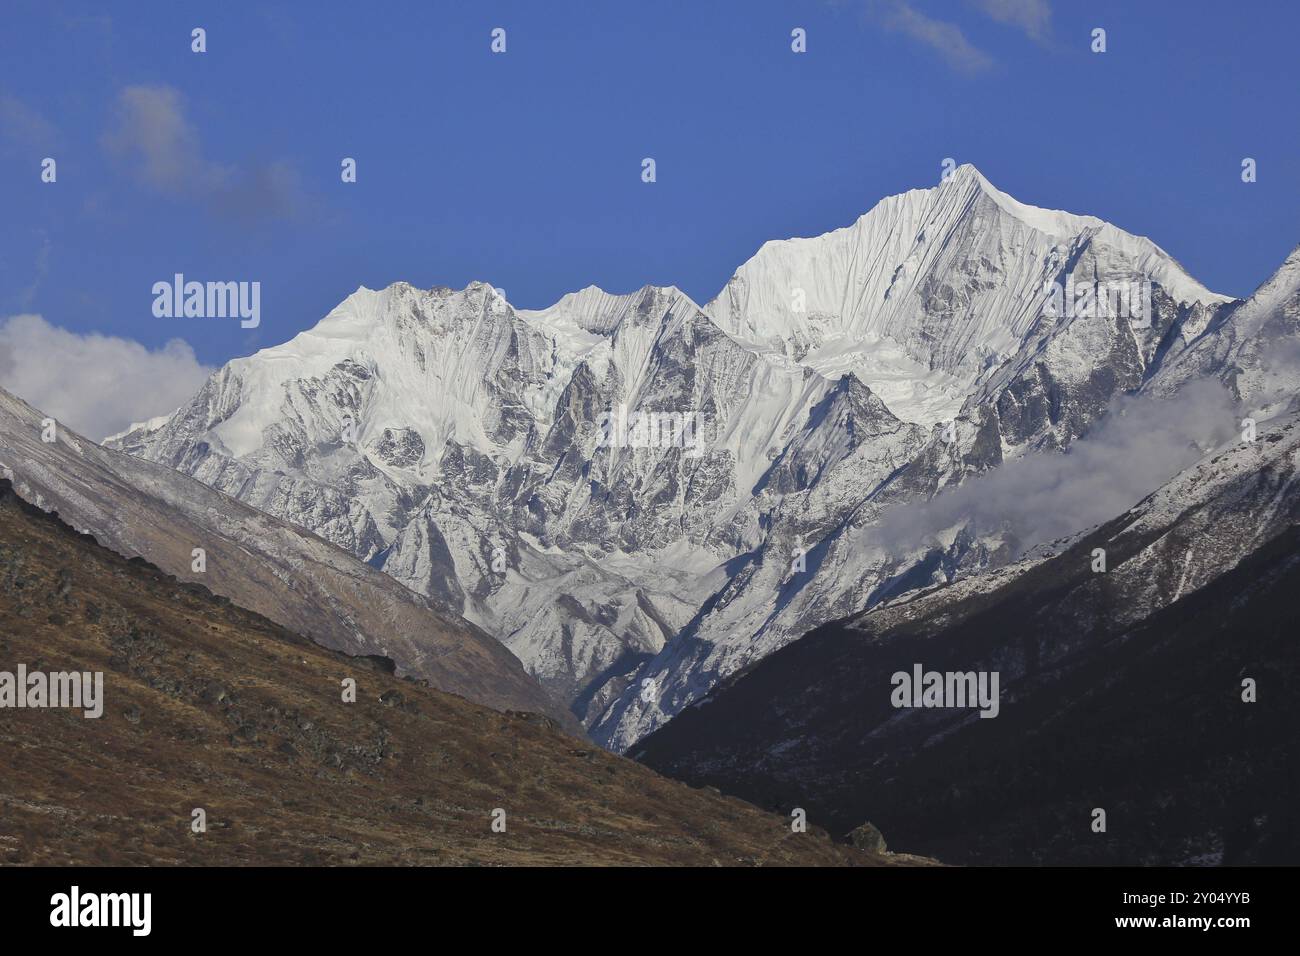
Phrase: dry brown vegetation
(209, 705)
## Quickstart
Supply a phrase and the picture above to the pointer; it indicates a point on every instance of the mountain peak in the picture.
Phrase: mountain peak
(593, 310)
(967, 172)
(929, 290)
(966, 179)
(1284, 283)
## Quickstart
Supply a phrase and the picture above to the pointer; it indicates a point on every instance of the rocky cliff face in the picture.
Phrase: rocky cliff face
(463, 447)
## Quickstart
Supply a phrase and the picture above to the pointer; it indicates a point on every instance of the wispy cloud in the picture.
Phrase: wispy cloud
(22, 127)
(272, 190)
(942, 36)
(1031, 16)
(42, 270)
(151, 131)
(96, 384)
(947, 38)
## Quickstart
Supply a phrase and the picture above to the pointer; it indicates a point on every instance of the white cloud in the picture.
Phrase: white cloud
(96, 384)
(1140, 444)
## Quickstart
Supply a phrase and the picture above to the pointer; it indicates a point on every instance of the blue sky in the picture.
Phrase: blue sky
(523, 169)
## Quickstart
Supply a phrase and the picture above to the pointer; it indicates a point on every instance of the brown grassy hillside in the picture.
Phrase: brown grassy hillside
(209, 705)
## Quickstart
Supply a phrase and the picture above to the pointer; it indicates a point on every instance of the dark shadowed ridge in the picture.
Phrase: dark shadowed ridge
(1120, 691)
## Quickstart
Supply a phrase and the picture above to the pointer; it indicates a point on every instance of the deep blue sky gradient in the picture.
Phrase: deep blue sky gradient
(523, 169)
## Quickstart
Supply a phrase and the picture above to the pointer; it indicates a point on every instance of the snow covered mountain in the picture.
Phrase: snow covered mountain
(464, 447)
(1044, 380)
(1254, 349)
(926, 296)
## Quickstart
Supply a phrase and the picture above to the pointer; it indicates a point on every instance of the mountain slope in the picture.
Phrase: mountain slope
(1119, 690)
(1254, 348)
(293, 577)
(458, 444)
(209, 706)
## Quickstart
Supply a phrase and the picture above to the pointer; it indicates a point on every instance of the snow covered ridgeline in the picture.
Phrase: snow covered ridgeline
(477, 431)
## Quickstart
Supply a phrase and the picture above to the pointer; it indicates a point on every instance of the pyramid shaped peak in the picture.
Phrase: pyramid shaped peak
(967, 172)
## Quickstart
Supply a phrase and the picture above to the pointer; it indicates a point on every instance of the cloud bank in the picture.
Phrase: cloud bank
(95, 384)
(1136, 448)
